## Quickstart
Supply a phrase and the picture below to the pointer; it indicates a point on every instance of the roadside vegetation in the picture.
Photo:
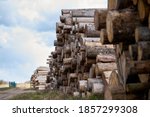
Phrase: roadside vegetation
(53, 95)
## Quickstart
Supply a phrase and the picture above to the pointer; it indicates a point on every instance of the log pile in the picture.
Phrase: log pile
(104, 50)
(79, 55)
(40, 77)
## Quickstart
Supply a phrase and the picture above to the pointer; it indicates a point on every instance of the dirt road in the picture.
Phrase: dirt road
(7, 94)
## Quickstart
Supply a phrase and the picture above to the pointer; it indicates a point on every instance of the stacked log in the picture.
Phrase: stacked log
(128, 29)
(109, 45)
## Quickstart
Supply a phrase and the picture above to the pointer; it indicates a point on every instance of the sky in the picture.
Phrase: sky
(27, 32)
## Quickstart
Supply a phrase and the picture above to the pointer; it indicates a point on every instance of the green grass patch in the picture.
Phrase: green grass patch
(53, 95)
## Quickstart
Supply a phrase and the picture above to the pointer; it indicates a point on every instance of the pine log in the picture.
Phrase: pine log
(105, 58)
(82, 40)
(144, 77)
(59, 50)
(67, 49)
(90, 31)
(73, 63)
(100, 67)
(83, 13)
(103, 37)
(121, 25)
(133, 51)
(63, 17)
(92, 72)
(143, 10)
(60, 37)
(149, 21)
(137, 87)
(67, 27)
(65, 11)
(144, 50)
(77, 20)
(142, 34)
(135, 2)
(118, 4)
(100, 19)
(106, 75)
(81, 27)
(54, 54)
(139, 67)
(88, 63)
(69, 20)
(92, 44)
(58, 43)
(67, 61)
(148, 1)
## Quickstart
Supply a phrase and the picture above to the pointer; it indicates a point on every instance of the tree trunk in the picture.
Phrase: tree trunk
(92, 72)
(139, 67)
(90, 31)
(133, 51)
(100, 19)
(143, 50)
(105, 58)
(137, 87)
(83, 13)
(135, 2)
(118, 4)
(143, 10)
(77, 20)
(58, 43)
(142, 34)
(100, 67)
(121, 25)
(103, 37)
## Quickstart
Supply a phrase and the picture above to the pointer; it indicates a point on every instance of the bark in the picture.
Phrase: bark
(143, 50)
(100, 19)
(83, 13)
(135, 2)
(133, 51)
(121, 25)
(103, 37)
(143, 10)
(67, 61)
(77, 20)
(90, 31)
(92, 72)
(137, 87)
(118, 4)
(100, 67)
(58, 43)
(144, 77)
(105, 58)
(142, 34)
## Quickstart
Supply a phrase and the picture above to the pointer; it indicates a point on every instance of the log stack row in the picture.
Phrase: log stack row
(80, 59)
(104, 50)
(127, 27)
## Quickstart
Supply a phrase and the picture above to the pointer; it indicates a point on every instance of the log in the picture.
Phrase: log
(67, 27)
(140, 67)
(144, 77)
(144, 50)
(91, 81)
(148, 1)
(67, 49)
(105, 58)
(59, 50)
(133, 51)
(118, 4)
(65, 11)
(100, 67)
(103, 37)
(60, 37)
(149, 21)
(135, 2)
(83, 13)
(77, 20)
(90, 31)
(92, 71)
(67, 61)
(69, 20)
(143, 10)
(73, 63)
(137, 87)
(106, 75)
(100, 18)
(82, 40)
(92, 44)
(121, 25)
(82, 85)
(97, 88)
(88, 62)
(58, 43)
(142, 34)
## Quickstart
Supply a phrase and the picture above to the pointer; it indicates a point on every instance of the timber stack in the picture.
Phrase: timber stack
(104, 50)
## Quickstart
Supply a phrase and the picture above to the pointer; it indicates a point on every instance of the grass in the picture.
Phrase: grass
(53, 95)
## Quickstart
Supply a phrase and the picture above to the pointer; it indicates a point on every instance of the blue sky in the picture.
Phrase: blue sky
(27, 32)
